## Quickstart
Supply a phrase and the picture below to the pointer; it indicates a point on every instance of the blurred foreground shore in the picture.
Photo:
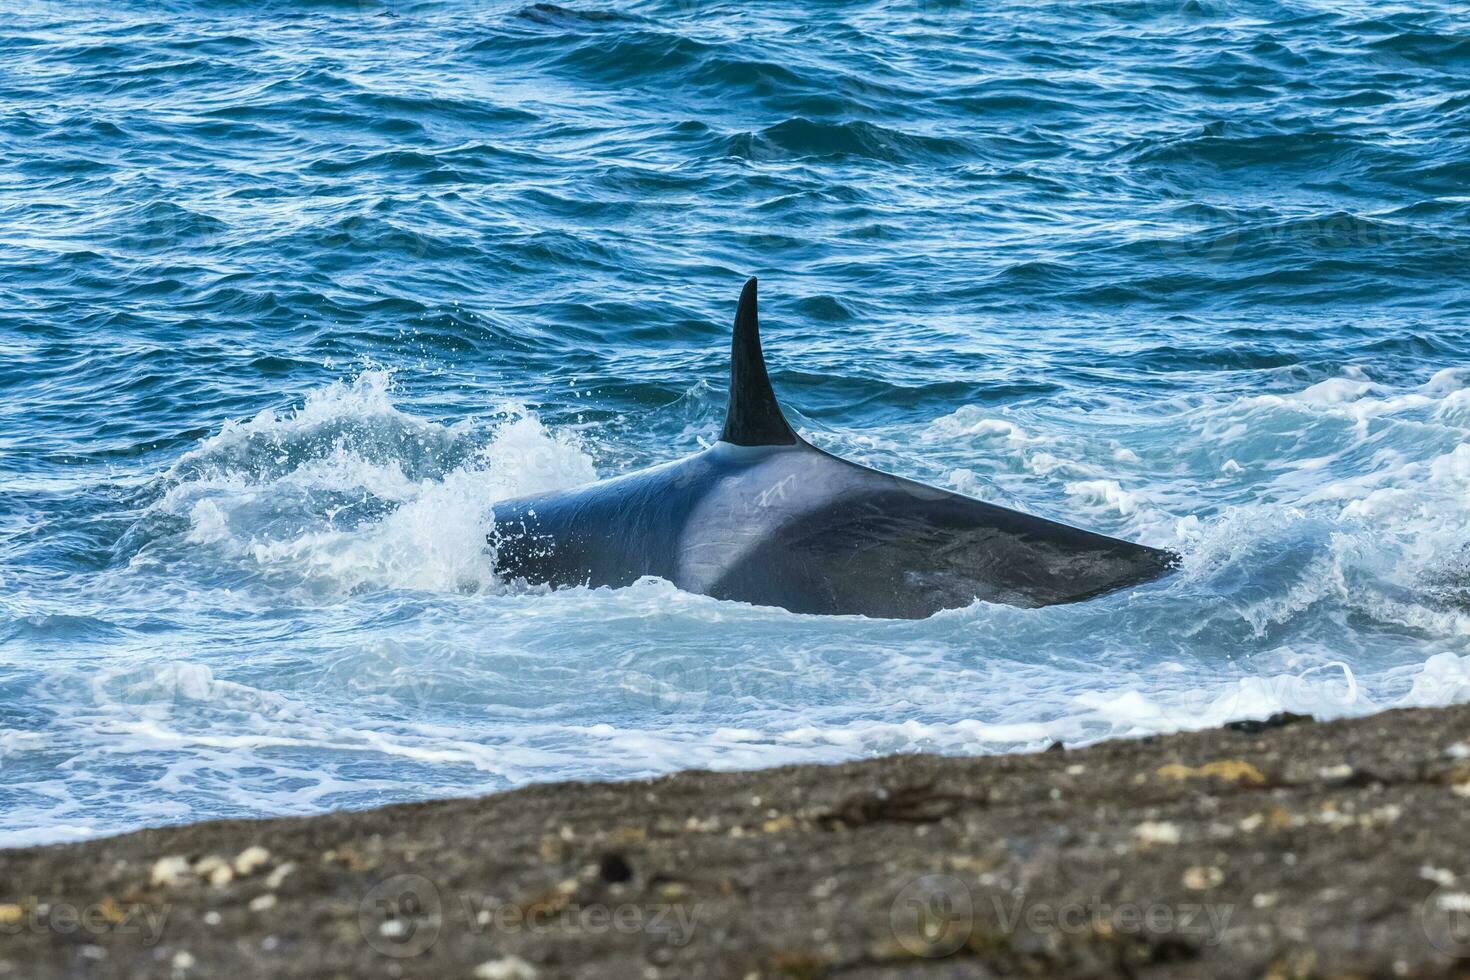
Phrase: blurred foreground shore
(1287, 850)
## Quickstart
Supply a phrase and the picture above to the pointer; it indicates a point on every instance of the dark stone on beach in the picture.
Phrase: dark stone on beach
(614, 869)
(1329, 850)
(1280, 719)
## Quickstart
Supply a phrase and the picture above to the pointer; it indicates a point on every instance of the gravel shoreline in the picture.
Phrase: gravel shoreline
(1287, 851)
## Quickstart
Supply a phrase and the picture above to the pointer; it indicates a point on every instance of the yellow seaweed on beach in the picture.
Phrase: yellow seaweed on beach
(1230, 770)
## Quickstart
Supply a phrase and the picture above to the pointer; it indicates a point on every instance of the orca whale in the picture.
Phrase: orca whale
(764, 517)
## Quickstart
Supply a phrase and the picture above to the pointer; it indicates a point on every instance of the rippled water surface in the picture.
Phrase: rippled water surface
(291, 292)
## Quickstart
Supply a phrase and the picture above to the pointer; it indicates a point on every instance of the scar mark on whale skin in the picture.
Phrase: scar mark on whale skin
(779, 490)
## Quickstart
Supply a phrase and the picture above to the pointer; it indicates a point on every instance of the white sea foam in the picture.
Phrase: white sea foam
(349, 493)
(335, 636)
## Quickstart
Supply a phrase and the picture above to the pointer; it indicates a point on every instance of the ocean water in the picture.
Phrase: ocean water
(290, 293)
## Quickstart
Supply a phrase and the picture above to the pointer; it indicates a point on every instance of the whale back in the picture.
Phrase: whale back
(800, 528)
(767, 518)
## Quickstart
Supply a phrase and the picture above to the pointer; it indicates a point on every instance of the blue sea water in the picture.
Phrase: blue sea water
(290, 293)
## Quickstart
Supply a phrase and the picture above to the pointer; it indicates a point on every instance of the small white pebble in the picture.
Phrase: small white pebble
(251, 860)
(211, 918)
(1151, 832)
(1440, 876)
(168, 870)
(1459, 750)
(1199, 879)
(183, 960)
(262, 902)
(1076, 769)
(1339, 771)
(505, 968)
(206, 866)
(274, 879)
(1263, 900)
(221, 876)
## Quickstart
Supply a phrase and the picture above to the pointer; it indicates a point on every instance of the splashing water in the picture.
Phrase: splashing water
(303, 614)
(292, 295)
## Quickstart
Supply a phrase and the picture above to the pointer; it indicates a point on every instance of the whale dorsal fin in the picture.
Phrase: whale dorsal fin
(754, 418)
